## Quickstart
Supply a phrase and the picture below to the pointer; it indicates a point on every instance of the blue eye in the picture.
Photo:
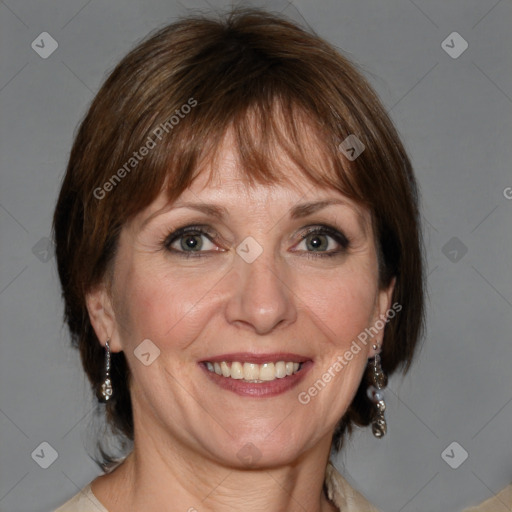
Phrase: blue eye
(324, 241)
(189, 240)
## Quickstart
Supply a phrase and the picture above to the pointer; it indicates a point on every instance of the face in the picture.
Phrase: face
(268, 286)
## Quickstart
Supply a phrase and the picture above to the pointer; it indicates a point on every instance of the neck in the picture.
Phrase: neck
(160, 475)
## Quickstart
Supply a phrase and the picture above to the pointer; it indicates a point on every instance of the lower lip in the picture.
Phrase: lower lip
(262, 390)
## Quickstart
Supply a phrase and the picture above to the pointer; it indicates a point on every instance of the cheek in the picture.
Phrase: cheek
(158, 305)
(342, 306)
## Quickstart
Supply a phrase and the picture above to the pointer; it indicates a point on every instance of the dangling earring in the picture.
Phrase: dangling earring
(379, 381)
(106, 388)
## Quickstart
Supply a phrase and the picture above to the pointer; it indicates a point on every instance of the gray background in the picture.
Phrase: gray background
(455, 117)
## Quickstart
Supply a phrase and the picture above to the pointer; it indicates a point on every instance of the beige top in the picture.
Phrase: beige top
(346, 498)
(502, 502)
(339, 491)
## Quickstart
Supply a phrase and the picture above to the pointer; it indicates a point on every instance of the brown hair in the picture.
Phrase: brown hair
(176, 95)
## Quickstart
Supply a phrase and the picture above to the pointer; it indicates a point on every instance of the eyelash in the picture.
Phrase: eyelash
(320, 229)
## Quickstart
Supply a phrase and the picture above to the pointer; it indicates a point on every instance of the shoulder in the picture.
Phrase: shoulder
(499, 503)
(84, 501)
(344, 496)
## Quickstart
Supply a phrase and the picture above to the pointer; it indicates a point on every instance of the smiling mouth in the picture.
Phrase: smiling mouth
(252, 372)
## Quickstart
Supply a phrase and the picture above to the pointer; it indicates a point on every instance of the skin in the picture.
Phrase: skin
(188, 430)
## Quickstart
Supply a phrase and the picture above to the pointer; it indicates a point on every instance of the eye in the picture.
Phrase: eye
(322, 240)
(191, 239)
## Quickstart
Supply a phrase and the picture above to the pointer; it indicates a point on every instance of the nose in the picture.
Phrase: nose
(261, 298)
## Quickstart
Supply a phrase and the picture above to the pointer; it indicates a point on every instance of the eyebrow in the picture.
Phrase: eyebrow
(305, 209)
(219, 212)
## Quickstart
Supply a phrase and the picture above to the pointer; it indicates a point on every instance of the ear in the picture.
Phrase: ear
(382, 306)
(102, 317)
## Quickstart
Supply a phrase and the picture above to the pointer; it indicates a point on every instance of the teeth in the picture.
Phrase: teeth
(280, 369)
(237, 371)
(226, 371)
(252, 372)
(268, 371)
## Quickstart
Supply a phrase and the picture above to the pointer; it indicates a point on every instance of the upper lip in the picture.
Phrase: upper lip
(251, 357)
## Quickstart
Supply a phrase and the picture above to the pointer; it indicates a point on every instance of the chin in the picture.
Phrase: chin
(261, 450)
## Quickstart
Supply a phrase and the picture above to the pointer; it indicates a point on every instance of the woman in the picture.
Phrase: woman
(238, 244)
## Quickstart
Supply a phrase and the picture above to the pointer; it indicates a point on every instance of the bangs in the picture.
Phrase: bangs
(267, 137)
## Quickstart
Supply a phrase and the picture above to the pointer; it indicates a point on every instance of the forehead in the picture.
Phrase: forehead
(226, 174)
